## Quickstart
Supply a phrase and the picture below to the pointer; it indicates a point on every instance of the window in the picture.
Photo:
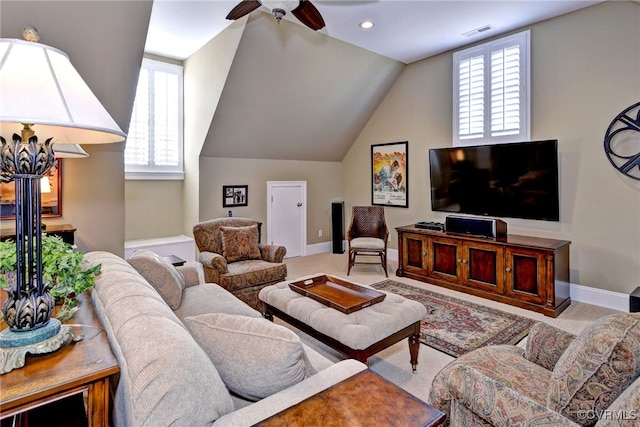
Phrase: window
(491, 92)
(154, 143)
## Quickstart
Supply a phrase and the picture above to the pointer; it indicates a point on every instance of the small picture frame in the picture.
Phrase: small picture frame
(235, 195)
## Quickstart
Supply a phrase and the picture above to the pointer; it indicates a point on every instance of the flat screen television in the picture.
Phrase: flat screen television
(515, 180)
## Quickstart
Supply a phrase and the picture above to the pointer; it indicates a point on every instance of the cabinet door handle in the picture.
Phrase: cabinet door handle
(464, 261)
(508, 269)
(459, 259)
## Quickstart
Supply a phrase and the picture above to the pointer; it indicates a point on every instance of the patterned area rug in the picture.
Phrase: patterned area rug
(455, 326)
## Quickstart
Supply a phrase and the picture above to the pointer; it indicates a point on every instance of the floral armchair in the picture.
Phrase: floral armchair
(559, 379)
(233, 257)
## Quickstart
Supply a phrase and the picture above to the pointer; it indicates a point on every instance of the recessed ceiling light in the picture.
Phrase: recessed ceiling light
(365, 25)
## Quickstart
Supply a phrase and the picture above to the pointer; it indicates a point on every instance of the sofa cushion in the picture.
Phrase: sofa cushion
(240, 243)
(596, 368)
(165, 376)
(163, 276)
(255, 358)
(211, 298)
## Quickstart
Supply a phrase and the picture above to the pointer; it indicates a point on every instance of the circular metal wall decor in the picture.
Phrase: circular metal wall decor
(622, 142)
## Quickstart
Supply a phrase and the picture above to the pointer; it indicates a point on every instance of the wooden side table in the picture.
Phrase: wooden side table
(65, 231)
(365, 399)
(84, 366)
(175, 260)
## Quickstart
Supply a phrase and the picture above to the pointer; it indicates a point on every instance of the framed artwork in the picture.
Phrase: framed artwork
(389, 174)
(234, 195)
(50, 190)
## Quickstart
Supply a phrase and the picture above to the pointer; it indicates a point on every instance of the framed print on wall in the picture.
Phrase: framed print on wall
(50, 193)
(234, 195)
(389, 174)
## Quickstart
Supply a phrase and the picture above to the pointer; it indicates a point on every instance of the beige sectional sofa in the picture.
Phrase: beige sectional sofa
(166, 329)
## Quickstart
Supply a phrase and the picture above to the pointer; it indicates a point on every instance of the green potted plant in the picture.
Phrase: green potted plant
(62, 268)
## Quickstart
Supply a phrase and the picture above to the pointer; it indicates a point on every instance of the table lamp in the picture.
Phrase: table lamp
(40, 92)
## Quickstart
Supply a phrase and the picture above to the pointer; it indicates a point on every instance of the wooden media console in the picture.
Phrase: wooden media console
(527, 272)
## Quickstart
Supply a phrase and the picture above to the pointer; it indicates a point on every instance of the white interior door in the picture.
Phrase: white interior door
(287, 216)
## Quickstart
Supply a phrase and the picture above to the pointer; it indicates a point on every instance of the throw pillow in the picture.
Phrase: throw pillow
(255, 357)
(160, 274)
(596, 368)
(240, 243)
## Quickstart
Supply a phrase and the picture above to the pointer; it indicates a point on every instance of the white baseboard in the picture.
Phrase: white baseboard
(579, 293)
(600, 297)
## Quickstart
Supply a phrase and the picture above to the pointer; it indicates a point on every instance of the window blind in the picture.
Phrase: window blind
(491, 92)
(155, 144)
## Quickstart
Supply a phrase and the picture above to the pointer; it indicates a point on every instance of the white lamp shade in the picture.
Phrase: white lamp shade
(39, 86)
(69, 151)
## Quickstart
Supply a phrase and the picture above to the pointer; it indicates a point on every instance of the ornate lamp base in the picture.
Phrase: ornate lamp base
(14, 346)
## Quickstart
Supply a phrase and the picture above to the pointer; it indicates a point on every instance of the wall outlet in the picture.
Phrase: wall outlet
(320, 233)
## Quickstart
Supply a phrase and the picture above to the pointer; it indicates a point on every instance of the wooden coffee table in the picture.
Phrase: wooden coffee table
(365, 399)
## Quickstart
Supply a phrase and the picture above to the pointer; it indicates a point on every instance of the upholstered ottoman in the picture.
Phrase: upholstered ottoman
(357, 335)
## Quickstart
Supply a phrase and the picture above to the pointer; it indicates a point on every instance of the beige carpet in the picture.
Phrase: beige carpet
(393, 363)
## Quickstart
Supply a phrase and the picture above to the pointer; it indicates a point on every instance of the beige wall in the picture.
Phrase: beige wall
(323, 187)
(153, 209)
(586, 69)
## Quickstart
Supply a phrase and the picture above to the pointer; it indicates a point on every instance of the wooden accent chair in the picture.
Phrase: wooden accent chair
(233, 257)
(368, 235)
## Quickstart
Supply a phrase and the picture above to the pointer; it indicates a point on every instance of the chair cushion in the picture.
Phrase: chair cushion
(160, 274)
(367, 243)
(255, 358)
(244, 274)
(596, 368)
(240, 243)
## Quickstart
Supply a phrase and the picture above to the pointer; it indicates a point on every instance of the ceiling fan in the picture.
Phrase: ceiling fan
(301, 9)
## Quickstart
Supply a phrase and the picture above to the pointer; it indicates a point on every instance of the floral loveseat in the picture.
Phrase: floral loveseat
(233, 257)
(559, 379)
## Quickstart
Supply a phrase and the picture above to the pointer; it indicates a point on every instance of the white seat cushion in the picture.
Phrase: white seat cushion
(367, 243)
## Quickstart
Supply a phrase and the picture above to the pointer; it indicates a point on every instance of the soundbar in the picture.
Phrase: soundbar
(482, 227)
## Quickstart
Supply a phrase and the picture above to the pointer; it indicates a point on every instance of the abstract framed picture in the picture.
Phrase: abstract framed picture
(50, 193)
(235, 195)
(389, 174)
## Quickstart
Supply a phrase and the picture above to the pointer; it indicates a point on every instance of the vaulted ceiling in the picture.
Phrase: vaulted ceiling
(295, 94)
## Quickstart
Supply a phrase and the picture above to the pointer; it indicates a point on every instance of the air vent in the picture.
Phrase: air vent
(477, 31)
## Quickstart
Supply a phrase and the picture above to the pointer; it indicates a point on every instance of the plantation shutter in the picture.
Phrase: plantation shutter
(154, 144)
(491, 92)
(471, 97)
(165, 128)
(505, 91)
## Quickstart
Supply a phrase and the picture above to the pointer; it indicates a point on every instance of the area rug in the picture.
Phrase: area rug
(455, 326)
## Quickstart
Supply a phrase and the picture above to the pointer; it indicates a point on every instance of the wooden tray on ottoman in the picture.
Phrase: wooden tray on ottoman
(339, 294)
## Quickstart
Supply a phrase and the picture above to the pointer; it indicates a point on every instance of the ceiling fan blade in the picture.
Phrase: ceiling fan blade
(243, 8)
(308, 15)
